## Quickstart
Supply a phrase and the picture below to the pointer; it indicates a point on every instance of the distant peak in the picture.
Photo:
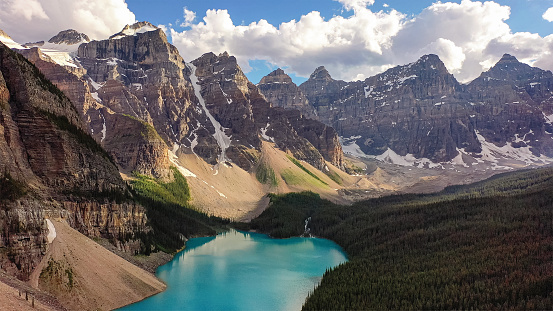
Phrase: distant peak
(320, 69)
(277, 72)
(139, 25)
(33, 44)
(508, 58)
(70, 37)
(224, 54)
(431, 62)
(277, 75)
(320, 74)
(134, 29)
(430, 58)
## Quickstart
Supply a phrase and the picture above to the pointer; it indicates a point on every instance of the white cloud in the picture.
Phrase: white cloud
(451, 54)
(189, 17)
(548, 15)
(338, 43)
(27, 9)
(468, 25)
(32, 20)
(469, 37)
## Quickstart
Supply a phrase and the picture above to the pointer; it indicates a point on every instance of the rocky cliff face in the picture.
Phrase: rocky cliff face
(279, 90)
(143, 76)
(420, 115)
(238, 106)
(135, 145)
(514, 106)
(47, 159)
(207, 107)
(142, 155)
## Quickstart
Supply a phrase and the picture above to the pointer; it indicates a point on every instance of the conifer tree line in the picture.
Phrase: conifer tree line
(486, 246)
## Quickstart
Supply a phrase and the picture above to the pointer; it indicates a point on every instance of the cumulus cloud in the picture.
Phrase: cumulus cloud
(27, 9)
(189, 17)
(339, 43)
(458, 32)
(32, 20)
(469, 37)
(451, 54)
(548, 15)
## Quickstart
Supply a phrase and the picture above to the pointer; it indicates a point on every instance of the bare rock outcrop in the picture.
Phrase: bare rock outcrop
(47, 158)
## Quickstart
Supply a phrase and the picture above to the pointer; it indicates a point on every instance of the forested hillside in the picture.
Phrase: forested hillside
(487, 245)
(171, 216)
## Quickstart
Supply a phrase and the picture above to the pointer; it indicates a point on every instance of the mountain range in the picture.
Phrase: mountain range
(420, 115)
(84, 122)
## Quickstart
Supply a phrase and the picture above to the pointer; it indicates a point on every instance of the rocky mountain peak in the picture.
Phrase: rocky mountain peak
(507, 59)
(426, 77)
(223, 58)
(277, 72)
(321, 74)
(509, 69)
(69, 37)
(277, 76)
(508, 63)
(279, 89)
(134, 29)
(430, 58)
(430, 62)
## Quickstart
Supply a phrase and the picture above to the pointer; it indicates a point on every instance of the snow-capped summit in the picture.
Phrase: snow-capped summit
(3, 34)
(8, 41)
(136, 28)
(69, 37)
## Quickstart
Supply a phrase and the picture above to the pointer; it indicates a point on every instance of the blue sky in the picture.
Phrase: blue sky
(525, 16)
(353, 39)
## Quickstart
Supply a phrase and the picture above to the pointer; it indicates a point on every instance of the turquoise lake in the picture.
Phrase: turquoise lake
(243, 271)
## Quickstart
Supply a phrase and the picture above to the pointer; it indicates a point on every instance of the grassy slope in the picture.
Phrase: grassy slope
(170, 214)
(485, 246)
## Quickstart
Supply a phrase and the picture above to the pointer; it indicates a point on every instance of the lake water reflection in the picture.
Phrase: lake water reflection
(243, 271)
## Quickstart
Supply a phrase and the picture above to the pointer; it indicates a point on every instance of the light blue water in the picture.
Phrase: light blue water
(243, 271)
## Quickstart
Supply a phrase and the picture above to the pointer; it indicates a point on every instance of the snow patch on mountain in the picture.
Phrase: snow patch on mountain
(368, 90)
(220, 136)
(493, 153)
(458, 160)
(8, 41)
(96, 86)
(133, 30)
(264, 134)
(104, 129)
(175, 160)
(548, 118)
(61, 58)
(51, 231)
(392, 157)
(350, 147)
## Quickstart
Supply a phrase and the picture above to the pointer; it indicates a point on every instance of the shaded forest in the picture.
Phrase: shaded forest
(487, 246)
